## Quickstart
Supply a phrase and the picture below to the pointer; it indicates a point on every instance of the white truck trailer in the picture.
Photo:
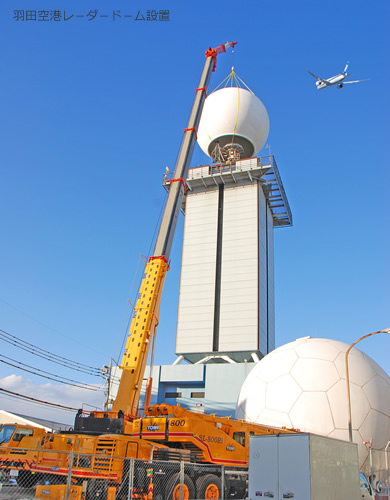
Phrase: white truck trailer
(303, 467)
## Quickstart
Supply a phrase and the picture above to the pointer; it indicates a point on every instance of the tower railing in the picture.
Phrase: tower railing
(262, 170)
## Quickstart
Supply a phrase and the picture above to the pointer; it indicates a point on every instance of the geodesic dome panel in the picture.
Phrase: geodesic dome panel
(303, 385)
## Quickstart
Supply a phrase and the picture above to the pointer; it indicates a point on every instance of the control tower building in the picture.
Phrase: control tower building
(226, 311)
(226, 302)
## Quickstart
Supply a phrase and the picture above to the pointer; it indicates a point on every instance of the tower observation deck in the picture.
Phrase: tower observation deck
(253, 170)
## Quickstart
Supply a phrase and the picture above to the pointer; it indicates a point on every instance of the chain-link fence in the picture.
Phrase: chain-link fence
(71, 476)
(48, 475)
(377, 469)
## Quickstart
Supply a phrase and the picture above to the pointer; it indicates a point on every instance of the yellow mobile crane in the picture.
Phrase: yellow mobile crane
(164, 432)
(145, 318)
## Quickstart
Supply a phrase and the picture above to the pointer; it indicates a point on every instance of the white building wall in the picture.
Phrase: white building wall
(223, 383)
(242, 320)
(238, 329)
(263, 270)
(197, 283)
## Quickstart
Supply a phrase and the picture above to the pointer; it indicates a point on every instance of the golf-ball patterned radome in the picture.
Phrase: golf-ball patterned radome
(233, 119)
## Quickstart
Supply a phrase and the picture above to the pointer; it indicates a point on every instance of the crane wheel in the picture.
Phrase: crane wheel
(208, 487)
(97, 488)
(172, 491)
(26, 480)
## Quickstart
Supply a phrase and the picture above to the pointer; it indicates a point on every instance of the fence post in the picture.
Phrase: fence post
(69, 479)
(222, 496)
(181, 480)
(131, 479)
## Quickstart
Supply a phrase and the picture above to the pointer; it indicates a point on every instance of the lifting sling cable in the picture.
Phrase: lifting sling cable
(239, 80)
(232, 80)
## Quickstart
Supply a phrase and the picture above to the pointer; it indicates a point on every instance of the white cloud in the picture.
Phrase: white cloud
(64, 395)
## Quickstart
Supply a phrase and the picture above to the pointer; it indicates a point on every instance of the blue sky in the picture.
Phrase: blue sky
(93, 110)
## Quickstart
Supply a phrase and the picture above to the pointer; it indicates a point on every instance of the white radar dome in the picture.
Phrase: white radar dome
(233, 118)
(303, 385)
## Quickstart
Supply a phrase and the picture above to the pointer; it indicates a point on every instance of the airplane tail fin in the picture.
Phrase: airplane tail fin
(346, 67)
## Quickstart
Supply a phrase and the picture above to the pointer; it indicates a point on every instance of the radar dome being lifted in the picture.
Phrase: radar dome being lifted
(233, 120)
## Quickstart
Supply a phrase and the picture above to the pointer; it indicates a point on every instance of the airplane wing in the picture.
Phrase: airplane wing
(325, 82)
(355, 81)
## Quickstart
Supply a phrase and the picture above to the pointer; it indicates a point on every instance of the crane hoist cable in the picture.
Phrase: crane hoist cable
(124, 336)
(125, 311)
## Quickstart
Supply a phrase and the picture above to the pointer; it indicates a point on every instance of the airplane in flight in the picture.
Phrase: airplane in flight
(338, 80)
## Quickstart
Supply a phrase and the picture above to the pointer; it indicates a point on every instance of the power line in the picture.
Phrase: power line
(42, 353)
(56, 378)
(10, 397)
(38, 400)
(49, 327)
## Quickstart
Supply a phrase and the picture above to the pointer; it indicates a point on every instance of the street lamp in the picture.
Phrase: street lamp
(386, 330)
